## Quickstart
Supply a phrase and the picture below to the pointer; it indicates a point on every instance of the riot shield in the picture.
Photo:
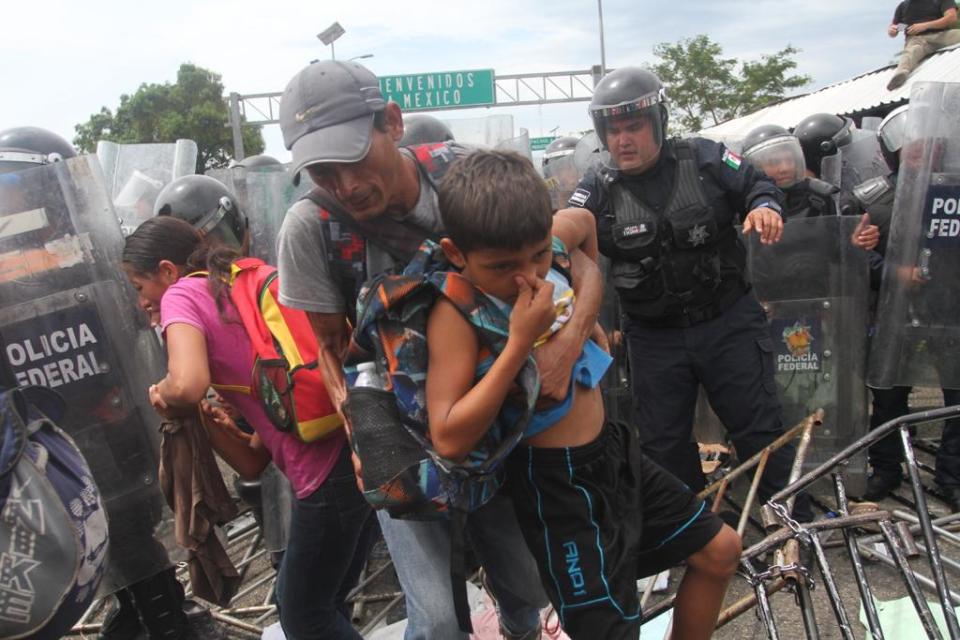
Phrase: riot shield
(917, 334)
(519, 144)
(277, 499)
(135, 174)
(487, 131)
(589, 155)
(264, 195)
(862, 159)
(69, 321)
(831, 169)
(870, 123)
(814, 287)
(562, 177)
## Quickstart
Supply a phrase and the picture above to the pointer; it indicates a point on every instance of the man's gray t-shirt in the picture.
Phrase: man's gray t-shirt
(302, 254)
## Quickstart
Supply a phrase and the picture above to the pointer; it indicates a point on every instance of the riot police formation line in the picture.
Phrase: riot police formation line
(754, 279)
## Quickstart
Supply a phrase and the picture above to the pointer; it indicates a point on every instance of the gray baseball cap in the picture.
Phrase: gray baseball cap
(326, 113)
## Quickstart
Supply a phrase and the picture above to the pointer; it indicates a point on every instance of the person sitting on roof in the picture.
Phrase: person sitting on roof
(928, 27)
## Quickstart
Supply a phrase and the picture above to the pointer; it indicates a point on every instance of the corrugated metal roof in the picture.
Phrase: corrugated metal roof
(847, 97)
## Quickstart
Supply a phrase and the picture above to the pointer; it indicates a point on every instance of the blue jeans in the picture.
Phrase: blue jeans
(421, 555)
(331, 532)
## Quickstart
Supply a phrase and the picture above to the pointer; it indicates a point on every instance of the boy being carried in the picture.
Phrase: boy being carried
(594, 511)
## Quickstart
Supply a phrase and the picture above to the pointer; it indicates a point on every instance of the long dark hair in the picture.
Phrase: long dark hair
(173, 239)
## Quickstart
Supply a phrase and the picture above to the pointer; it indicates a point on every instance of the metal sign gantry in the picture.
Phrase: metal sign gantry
(554, 87)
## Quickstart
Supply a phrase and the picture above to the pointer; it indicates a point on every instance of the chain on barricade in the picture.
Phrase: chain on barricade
(794, 569)
(799, 532)
(785, 571)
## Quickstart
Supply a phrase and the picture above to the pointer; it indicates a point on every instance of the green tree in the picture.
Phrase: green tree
(704, 88)
(193, 107)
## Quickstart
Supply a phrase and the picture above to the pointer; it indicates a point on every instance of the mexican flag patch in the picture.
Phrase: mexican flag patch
(731, 159)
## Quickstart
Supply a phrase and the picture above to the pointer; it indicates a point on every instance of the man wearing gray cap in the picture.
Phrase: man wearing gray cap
(375, 205)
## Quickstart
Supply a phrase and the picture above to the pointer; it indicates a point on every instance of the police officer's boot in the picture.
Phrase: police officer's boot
(159, 600)
(122, 622)
(882, 482)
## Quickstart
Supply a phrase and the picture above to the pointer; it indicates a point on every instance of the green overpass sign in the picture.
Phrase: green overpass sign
(440, 90)
(539, 144)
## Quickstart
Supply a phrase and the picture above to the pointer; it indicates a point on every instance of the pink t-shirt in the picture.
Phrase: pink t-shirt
(231, 363)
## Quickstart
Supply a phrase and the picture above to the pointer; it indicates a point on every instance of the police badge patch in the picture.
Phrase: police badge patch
(731, 159)
(698, 235)
(579, 197)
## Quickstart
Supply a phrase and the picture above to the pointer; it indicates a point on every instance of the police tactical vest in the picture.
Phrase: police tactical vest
(666, 263)
(346, 239)
(809, 198)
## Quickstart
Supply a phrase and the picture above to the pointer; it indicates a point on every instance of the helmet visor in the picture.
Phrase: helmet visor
(220, 225)
(632, 132)
(781, 158)
(642, 103)
(14, 160)
(891, 132)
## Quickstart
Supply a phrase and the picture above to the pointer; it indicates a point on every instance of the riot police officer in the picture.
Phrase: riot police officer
(876, 196)
(666, 211)
(854, 154)
(559, 169)
(103, 416)
(420, 128)
(560, 148)
(821, 135)
(775, 151)
(209, 207)
(27, 147)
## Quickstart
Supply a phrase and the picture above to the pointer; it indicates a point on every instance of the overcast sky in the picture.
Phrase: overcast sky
(61, 60)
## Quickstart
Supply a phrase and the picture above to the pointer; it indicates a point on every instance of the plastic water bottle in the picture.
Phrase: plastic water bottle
(367, 376)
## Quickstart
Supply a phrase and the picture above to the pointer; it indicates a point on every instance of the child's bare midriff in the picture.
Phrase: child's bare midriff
(580, 426)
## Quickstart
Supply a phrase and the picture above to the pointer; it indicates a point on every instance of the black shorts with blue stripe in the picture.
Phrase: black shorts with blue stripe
(597, 518)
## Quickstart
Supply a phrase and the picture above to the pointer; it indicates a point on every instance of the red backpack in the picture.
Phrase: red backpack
(286, 379)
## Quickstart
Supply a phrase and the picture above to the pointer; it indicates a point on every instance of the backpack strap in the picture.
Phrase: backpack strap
(347, 248)
(13, 436)
(433, 160)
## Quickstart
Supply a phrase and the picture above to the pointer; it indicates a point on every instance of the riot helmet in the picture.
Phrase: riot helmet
(422, 129)
(821, 135)
(890, 134)
(261, 161)
(775, 151)
(208, 206)
(26, 147)
(625, 94)
(559, 148)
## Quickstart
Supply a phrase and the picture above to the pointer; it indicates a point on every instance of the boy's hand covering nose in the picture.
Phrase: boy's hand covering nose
(533, 312)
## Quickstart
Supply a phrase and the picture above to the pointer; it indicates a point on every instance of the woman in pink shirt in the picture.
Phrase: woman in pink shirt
(332, 526)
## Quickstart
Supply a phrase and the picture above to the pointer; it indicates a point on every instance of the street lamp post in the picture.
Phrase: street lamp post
(603, 51)
(329, 35)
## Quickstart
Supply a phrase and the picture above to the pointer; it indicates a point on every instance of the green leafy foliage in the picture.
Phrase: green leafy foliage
(193, 107)
(704, 88)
